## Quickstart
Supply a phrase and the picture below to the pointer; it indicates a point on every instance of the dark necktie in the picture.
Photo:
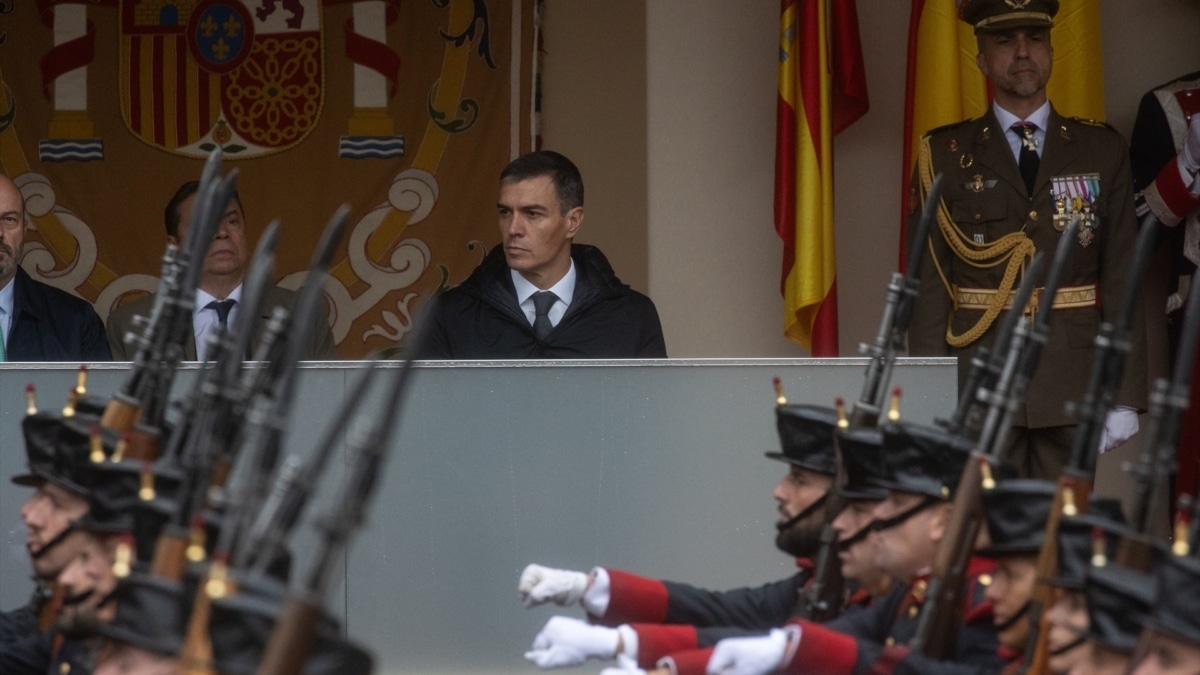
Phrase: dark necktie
(542, 302)
(222, 308)
(1028, 159)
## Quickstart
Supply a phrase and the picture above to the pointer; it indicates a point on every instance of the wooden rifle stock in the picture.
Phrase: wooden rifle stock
(938, 625)
(291, 641)
(1071, 498)
(170, 554)
(50, 603)
(121, 413)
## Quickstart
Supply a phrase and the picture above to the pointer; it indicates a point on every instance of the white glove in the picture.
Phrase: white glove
(565, 641)
(625, 666)
(750, 655)
(1119, 426)
(1189, 154)
(539, 585)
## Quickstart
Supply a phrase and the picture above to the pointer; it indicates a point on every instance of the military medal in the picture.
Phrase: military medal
(1027, 138)
(966, 161)
(1076, 196)
(952, 144)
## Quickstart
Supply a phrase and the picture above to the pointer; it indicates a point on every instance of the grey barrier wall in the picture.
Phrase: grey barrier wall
(651, 466)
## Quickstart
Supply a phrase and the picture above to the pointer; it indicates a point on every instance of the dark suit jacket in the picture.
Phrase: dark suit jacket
(997, 204)
(52, 325)
(120, 322)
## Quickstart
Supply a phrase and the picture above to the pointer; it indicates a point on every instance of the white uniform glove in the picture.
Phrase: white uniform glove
(625, 666)
(565, 641)
(750, 655)
(539, 585)
(1119, 426)
(1189, 154)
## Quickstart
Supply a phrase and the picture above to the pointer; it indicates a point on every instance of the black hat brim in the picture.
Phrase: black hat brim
(780, 457)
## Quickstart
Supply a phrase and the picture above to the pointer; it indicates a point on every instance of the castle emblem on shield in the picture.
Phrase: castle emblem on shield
(244, 75)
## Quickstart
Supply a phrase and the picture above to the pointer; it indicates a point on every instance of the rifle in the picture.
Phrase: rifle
(288, 649)
(1168, 403)
(140, 405)
(1075, 483)
(897, 313)
(939, 621)
(824, 598)
(261, 441)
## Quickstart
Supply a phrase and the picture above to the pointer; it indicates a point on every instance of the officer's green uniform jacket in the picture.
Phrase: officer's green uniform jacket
(984, 198)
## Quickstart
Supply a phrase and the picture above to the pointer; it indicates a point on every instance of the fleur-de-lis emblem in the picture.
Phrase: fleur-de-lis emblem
(208, 26)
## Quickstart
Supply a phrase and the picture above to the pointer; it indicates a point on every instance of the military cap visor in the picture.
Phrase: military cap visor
(806, 437)
(989, 16)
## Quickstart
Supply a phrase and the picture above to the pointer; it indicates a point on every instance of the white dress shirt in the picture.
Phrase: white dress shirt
(205, 320)
(6, 310)
(564, 289)
(1040, 118)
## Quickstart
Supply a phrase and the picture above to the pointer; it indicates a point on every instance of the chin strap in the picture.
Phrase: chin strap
(808, 511)
(889, 523)
(1012, 620)
(54, 541)
(862, 533)
(1077, 642)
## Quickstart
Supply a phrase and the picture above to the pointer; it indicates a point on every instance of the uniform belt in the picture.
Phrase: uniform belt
(1066, 298)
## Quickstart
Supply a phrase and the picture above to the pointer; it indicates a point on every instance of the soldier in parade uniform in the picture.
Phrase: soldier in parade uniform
(1016, 513)
(653, 617)
(1117, 599)
(921, 469)
(1165, 155)
(1067, 617)
(1014, 179)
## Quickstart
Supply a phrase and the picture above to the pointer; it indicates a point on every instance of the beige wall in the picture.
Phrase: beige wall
(669, 108)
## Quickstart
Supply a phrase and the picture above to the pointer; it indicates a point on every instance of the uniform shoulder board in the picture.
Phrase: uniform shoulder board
(947, 127)
(1094, 123)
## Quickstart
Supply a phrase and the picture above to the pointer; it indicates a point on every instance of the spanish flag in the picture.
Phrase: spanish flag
(822, 90)
(944, 84)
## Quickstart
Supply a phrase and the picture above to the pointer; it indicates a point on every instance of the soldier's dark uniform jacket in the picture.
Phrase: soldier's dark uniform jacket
(17, 624)
(987, 216)
(873, 639)
(669, 616)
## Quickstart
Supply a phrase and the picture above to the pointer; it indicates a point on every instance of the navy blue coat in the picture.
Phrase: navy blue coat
(52, 325)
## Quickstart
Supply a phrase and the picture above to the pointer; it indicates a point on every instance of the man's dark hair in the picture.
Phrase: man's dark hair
(568, 184)
(171, 215)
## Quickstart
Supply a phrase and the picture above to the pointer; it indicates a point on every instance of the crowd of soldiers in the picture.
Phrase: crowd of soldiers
(919, 548)
(160, 542)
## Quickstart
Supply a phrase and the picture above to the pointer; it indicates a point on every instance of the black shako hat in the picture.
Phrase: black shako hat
(1076, 544)
(996, 15)
(1174, 610)
(241, 625)
(1016, 513)
(862, 458)
(152, 613)
(806, 436)
(922, 460)
(1117, 599)
(57, 449)
(117, 490)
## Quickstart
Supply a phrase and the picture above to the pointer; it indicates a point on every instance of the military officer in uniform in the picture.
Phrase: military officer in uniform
(1014, 178)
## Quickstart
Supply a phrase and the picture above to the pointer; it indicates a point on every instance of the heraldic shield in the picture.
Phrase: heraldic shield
(245, 76)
